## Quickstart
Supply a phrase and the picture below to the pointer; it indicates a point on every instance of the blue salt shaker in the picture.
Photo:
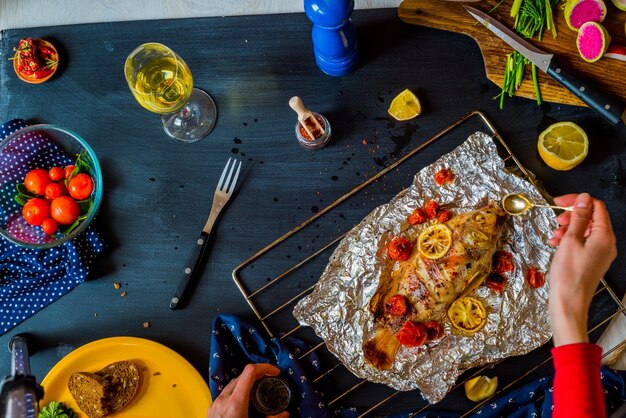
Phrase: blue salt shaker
(334, 36)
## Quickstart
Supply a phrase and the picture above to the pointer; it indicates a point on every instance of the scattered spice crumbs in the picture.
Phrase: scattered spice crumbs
(156, 374)
(117, 285)
(146, 324)
(174, 385)
(123, 294)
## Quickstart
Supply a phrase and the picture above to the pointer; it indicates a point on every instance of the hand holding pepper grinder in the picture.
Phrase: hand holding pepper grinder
(312, 130)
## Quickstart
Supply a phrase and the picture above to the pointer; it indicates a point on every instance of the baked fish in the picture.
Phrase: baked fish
(440, 261)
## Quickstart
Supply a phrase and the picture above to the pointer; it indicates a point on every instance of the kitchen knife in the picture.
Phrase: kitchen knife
(610, 109)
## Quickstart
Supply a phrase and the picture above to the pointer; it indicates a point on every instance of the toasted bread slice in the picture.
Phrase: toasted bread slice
(123, 379)
(90, 392)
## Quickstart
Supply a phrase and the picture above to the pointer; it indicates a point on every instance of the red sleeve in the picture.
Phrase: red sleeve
(577, 386)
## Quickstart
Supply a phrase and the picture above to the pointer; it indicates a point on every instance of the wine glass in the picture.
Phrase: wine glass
(162, 83)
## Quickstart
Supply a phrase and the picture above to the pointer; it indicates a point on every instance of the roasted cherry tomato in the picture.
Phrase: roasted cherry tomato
(50, 226)
(444, 216)
(56, 173)
(64, 210)
(399, 249)
(535, 278)
(67, 171)
(496, 282)
(80, 186)
(54, 190)
(417, 217)
(412, 334)
(396, 305)
(502, 262)
(431, 208)
(434, 330)
(36, 210)
(36, 181)
(444, 176)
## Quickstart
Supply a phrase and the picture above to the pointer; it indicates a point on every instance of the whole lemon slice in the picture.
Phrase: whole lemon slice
(563, 145)
(405, 106)
(480, 387)
(467, 314)
(435, 241)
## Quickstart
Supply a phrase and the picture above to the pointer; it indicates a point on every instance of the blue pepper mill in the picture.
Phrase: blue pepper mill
(334, 36)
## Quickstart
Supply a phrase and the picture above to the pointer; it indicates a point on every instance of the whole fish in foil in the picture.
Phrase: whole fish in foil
(419, 289)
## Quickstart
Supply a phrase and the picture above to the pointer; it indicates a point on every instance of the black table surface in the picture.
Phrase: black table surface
(158, 191)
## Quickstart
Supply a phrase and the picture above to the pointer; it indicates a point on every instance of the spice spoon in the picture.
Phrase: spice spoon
(518, 203)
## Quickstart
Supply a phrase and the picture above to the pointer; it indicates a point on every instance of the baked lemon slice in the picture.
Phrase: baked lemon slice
(480, 388)
(405, 106)
(467, 314)
(435, 241)
(563, 145)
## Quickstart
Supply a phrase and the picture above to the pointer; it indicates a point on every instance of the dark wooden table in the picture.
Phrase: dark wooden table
(158, 191)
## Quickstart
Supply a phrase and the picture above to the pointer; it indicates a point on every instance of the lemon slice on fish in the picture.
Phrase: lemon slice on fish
(480, 388)
(467, 314)
(435, 241)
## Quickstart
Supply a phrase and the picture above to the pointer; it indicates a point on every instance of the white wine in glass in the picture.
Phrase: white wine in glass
(162, 83)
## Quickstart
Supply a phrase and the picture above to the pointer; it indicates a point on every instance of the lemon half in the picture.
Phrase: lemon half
(563, 145)
(480, 388)
(405, 106)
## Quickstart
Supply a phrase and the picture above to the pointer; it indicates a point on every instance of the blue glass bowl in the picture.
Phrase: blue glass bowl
(40, 146)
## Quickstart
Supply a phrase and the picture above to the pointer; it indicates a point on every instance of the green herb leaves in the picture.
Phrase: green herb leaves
(56, 410)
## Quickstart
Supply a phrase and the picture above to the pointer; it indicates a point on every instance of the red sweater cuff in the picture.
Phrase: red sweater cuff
(577, 386)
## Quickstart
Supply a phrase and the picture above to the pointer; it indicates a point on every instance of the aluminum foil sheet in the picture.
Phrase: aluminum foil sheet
(517, 321)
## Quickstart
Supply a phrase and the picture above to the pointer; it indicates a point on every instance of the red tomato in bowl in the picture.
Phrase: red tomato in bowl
(54, 190)
(49, 226)
(64, 210)
(36, 181)
(35, 211)
(80, 186)
(67, 171)
(56, 173)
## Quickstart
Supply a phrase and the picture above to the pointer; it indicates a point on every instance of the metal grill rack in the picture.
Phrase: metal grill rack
(282, 272)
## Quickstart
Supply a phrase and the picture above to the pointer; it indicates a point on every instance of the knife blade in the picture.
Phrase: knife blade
(610, 109)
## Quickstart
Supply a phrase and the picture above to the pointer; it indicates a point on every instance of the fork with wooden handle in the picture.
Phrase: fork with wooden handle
(223, 192)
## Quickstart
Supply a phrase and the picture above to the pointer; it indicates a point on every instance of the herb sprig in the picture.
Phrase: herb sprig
(56, 410)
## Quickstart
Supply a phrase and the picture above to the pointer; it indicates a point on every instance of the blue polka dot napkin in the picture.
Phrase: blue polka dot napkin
(32, 279)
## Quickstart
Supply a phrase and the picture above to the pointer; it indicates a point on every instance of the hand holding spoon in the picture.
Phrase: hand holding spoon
(518, 203)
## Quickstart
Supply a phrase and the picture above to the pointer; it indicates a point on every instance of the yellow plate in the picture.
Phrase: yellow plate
(170, 386)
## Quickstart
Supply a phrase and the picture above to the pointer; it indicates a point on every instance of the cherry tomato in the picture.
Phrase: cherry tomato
(49, 226)
(396, 305)
(80, 186)
(434, 330)
(496, 282)
(444, 216)
(54, 190)
(64, 210)
(36, 181)
(444, 176)
(35, 211)
(535, 278)
(417, 217)
(502, 262)
(67, 171)
(431, 208)
(412, 334)
(399, 249)
(56, 173)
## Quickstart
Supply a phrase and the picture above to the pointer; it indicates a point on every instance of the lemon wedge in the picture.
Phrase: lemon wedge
(480, 388)
(467, 315)
(405, 106)
(563, 145)
(435, 241)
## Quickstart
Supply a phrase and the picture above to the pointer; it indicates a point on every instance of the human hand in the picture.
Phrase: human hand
(586, 249)
(234, 400)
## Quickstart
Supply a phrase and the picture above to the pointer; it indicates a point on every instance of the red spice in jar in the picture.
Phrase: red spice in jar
(313, 128)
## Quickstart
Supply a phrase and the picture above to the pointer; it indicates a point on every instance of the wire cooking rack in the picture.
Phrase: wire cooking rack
(277, 319)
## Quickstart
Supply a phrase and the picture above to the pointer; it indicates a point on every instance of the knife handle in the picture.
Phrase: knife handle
(191, 266)
(610, 109)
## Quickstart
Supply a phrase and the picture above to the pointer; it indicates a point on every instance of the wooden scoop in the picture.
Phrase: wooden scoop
(306, 118)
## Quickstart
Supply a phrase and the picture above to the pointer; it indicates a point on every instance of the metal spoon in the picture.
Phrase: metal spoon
(518, 203)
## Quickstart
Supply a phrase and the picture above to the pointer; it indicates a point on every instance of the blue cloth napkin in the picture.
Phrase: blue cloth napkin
(32, 279)
(235, 343)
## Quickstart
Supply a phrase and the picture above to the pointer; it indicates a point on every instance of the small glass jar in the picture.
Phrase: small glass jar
(270, 395)
(319, 142)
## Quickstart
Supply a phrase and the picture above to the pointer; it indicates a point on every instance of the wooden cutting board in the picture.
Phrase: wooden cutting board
(609, 75)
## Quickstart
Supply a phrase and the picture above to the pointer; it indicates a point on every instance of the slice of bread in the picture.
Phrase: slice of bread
(123, 383)
(90, 392)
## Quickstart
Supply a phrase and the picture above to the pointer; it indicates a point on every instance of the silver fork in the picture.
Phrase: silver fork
(223, 192)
